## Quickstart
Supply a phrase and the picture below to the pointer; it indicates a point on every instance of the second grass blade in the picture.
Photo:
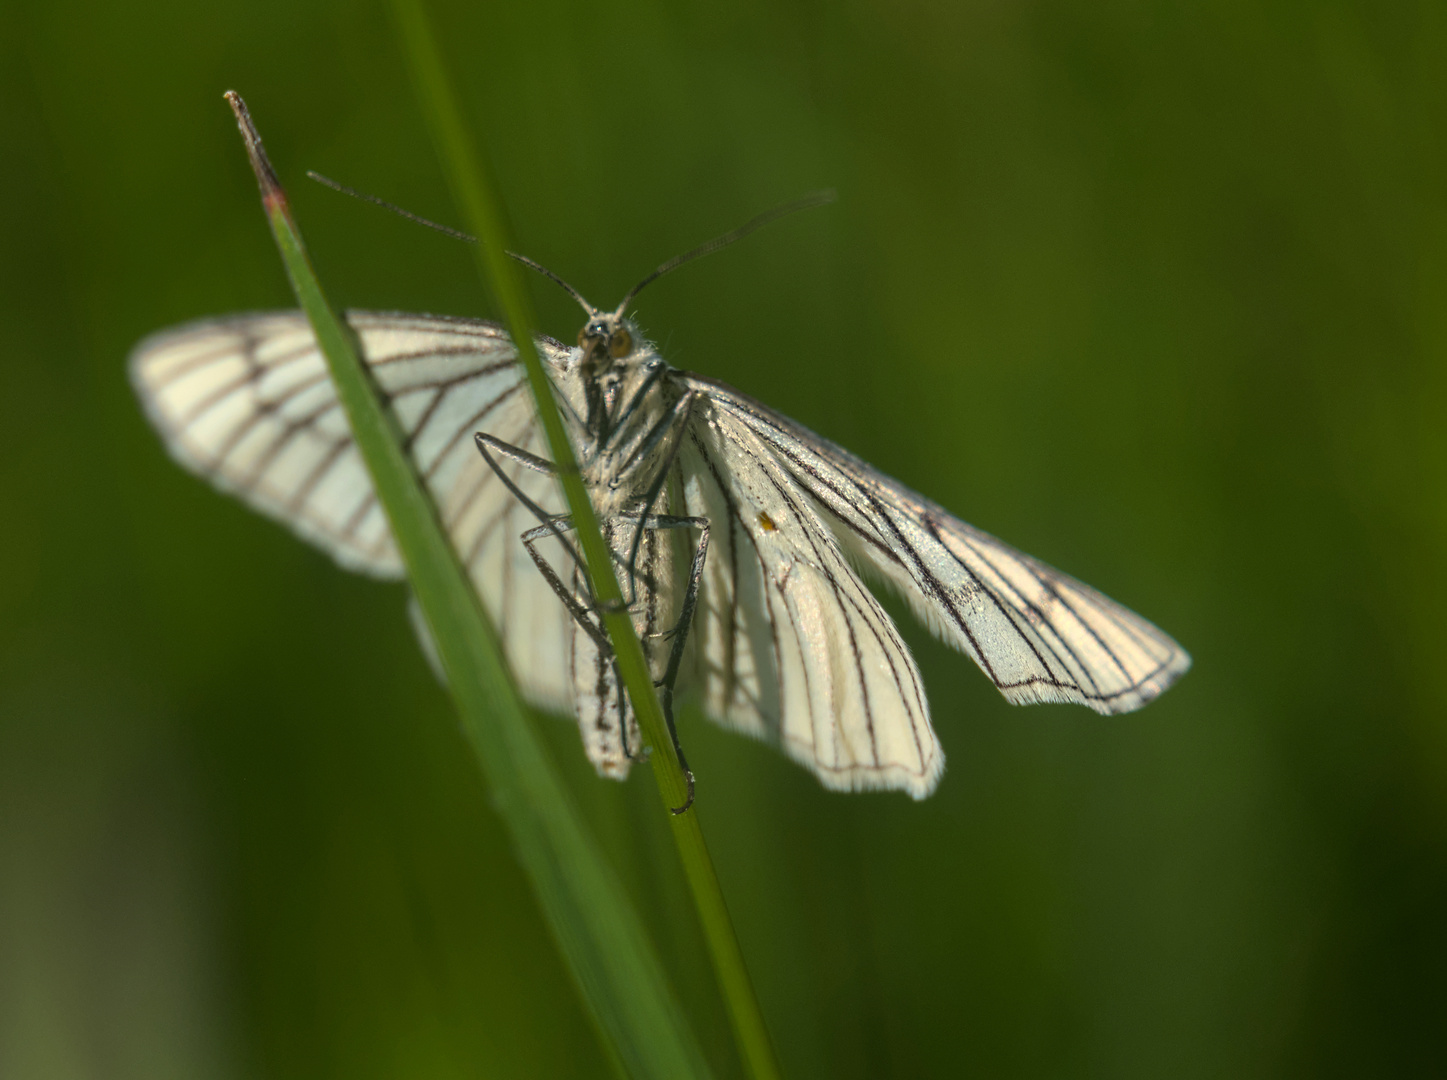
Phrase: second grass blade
(486, 218)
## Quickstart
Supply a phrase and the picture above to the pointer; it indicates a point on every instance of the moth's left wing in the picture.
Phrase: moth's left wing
(1037, 633)
(246, 402)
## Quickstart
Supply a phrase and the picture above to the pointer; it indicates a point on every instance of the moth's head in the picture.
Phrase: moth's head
(606, 339)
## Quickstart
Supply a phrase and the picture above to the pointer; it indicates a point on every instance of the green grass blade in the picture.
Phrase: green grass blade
(473, 189)
(600, 934)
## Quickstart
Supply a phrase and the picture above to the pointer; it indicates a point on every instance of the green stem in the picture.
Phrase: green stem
(473, 189)
(599, 933)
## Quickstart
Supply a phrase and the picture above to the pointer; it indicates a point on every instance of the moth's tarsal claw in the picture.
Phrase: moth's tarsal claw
(688, 803)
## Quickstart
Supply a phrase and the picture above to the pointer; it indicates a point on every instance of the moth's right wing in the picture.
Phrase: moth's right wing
(788, 644)
(246, 402)
(1038, 634)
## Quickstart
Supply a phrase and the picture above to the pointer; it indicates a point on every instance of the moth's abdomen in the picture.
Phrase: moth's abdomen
(606, 720)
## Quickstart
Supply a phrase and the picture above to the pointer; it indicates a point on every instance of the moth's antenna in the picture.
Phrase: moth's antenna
(816, 198)
(456, 234)
(540, 268)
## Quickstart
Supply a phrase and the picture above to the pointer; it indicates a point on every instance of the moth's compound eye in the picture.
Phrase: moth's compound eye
(620, 344)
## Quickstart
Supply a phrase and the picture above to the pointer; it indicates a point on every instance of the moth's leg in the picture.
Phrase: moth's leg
(577, 608)
(679, 633)
(623, 717)
(555, 526)
(677, 418)
(660, 429)
(581, 613)
(637, 398)
(537, 464)
(516, 453)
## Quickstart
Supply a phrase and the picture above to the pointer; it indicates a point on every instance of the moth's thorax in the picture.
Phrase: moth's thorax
(614, 407)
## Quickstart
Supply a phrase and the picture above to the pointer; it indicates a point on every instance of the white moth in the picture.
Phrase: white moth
(704, 494)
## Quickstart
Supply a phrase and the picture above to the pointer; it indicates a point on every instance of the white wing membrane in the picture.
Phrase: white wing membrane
(786, 643)
(1037, 633)
(789, 645)
(247, 403)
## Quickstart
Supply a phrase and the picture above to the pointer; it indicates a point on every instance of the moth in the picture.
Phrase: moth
(741, 537)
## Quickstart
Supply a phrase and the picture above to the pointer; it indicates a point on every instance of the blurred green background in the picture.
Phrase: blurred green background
(1156, 292)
